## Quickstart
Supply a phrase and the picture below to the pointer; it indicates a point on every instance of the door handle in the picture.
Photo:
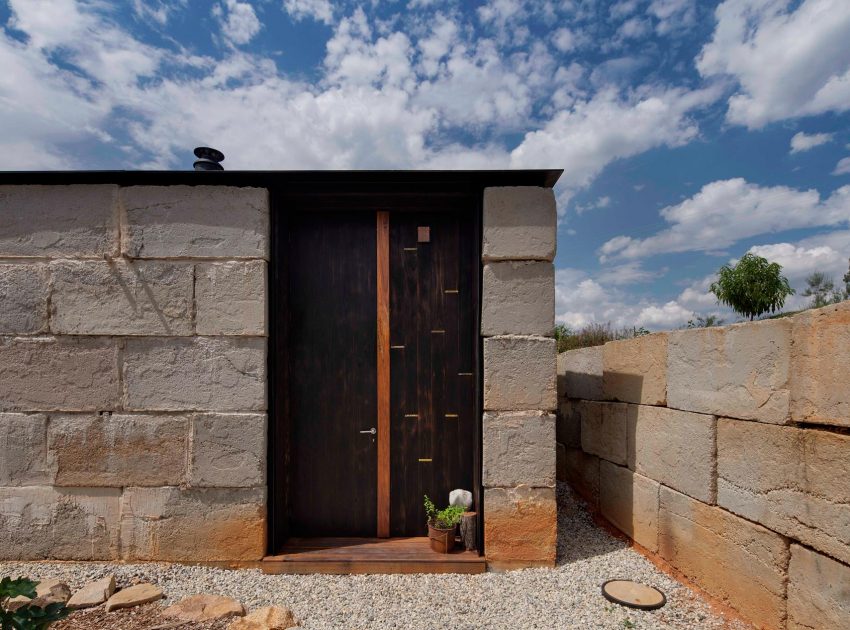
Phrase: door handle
(373, 431)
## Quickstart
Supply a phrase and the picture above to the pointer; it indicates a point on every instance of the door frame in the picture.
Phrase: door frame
(376, 197)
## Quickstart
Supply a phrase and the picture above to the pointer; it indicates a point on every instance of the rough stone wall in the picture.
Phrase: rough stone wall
(517, 323)
(725, 451)
(133, 372)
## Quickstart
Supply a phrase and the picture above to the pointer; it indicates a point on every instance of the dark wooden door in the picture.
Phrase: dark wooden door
(433, 304)
(331, 354)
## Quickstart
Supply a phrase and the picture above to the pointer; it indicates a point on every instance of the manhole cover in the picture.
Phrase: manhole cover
(633, 594)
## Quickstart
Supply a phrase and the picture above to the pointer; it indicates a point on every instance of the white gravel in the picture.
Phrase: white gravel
(565, 597)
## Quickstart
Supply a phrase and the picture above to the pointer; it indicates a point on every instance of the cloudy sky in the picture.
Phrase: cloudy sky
(690, 131)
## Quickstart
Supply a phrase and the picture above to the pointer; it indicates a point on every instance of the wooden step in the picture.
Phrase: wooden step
(369, 555)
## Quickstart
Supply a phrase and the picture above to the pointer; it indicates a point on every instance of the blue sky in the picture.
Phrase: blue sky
(690, 131)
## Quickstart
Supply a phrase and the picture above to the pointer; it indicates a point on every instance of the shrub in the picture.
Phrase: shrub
(752, 287)
(26, 617)
(593, 335)
(443, 519)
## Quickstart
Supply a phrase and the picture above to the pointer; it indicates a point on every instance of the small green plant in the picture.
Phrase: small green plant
(752, 287)
(445, 518)
(628, 623)
(26, 617)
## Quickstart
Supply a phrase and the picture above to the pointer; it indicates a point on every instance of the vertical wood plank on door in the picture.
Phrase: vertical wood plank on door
(383, 306)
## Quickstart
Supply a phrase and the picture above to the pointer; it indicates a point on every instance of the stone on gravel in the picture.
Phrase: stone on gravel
(93, 593)
(205, 608)
(135, 595)
(461, 497)
(267, 618)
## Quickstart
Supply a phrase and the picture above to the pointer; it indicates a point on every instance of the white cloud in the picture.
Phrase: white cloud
(826, 253)
(628, 273)
(564, 39)
(319, 10)
(843, 167)
(805, 141)
(727, 211)
(239, 22)
(601, 202)
(786, 63)
(672, 15)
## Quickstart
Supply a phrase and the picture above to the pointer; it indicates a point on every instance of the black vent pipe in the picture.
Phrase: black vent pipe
(208, 159)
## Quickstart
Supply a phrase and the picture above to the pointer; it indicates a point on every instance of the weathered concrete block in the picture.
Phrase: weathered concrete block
(582, 473)
(23, 448)
(519, 373)
(635, 370)
(519, 448)
(39, 523)
(820, 366)
(195, 221)
(117, 450)
(203, 524)
(630, 501)
(230, 298)
(604, 430)
(739, 371)
(228, 450)
(518, 298)
(520, 223)
(520, 526)
(674, 447)
(568, 430)
(734, 560)
(580, 373)
(23, 299)
(53, 221)
(793, 481)
(121, 297)
(55, 373)
(200, 373)
(818, 591)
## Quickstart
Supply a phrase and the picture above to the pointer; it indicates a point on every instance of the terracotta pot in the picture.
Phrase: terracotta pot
(442, 540)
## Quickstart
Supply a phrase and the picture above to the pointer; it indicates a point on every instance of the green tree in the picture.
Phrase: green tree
(847, 282)
(752, 287)
(709, 321)
(821, 289)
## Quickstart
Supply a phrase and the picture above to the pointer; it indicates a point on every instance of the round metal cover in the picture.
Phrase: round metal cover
(633, 594)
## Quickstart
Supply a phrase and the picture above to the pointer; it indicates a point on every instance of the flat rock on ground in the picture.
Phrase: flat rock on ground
(135, 595)
(93, 593)
(566, 597)
(205, 608)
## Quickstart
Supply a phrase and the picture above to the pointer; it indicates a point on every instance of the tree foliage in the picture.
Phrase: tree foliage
(821, 289)
(707, 321)
(26, 617)
(752, 287)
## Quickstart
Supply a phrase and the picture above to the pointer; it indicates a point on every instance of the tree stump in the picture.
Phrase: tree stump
(469, 530)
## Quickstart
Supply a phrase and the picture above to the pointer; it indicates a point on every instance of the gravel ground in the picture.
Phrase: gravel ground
(565, 597)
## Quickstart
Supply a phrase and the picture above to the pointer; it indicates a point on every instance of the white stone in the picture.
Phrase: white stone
(460, 497)
(520, 223)
(230, 298)
(23, 299)
(23, 449)
(518, 298)
(228, 450)
(519, 373)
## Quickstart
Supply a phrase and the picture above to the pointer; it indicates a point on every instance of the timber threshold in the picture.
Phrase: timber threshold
(370, 555)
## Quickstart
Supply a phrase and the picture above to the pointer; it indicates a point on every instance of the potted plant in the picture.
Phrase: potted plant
(442, 525)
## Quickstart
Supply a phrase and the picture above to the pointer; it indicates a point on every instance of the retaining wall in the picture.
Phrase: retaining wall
(726, 452)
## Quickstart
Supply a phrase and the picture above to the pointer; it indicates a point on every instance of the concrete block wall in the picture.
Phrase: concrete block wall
(725, 452)
(517, 323)
(133, 372)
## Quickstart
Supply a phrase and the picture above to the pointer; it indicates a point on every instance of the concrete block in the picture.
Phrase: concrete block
(42, 523)
(580, 373)
(519, 373)
(820, 366)
(23, 450)
(228, 450)
(58, 221)
(23, 299)
(518, 298)
(520, 526)
(200, 373)
(195, 221)
(55, 373)
(121, 297)
(635, 370)
(676, 448)
(117, 450)
(205, 524)
(519, 448)
(739, 562)
(520, 223)
(740, 371)
(604, 430)
(793, 481)
(582, 473)
(818, 591)
(630, 502)
(568, 430)
(230, 298)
